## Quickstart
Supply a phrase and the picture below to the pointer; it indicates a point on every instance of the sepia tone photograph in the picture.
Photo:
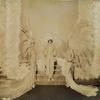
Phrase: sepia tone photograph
(49, 49)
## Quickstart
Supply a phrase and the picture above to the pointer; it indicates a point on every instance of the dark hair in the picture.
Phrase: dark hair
(50, 41)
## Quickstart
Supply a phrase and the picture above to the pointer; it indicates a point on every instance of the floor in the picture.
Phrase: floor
(54, 93)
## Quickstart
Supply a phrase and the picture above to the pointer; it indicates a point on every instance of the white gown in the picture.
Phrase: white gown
(49, 57)
(83, 89)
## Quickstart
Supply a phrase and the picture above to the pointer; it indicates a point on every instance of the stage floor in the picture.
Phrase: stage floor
(54, 93)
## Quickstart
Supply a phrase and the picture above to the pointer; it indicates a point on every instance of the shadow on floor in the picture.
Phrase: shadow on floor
(54, 93)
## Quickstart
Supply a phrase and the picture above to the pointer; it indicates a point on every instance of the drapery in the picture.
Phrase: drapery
(75, 33)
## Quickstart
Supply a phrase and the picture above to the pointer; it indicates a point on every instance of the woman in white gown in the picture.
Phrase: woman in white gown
(49, 57)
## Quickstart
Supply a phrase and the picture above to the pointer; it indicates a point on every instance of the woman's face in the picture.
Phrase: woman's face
(50, 41)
